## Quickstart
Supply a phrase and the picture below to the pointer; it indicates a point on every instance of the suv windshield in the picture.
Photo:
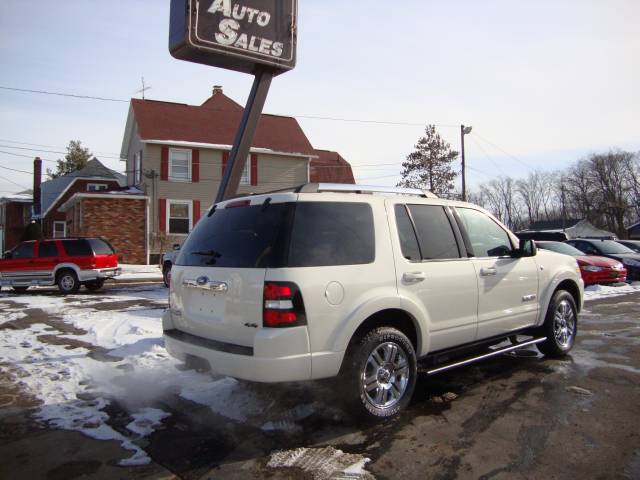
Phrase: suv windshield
(276, 235)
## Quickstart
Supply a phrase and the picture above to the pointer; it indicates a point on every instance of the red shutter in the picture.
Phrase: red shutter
(225, 160)
(195, 165)
(162, 215)
(196, 212)
(164, 164)
(254, 169)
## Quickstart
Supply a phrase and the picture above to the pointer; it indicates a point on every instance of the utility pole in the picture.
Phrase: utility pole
(464, 131)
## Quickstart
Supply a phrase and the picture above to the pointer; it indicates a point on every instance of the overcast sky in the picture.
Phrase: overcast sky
(542, 83)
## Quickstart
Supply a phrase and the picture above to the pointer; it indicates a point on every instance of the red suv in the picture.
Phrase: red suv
(67, 262)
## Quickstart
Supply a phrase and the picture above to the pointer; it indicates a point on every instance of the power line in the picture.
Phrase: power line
(14, 170)
(522, 162)
(487, 155)
(11, 181)
(60, 94)
(305, 116)
(50, 146)
(49, 151)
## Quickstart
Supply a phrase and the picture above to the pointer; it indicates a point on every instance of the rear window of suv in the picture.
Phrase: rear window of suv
(100, 247)
(77, 248)
(302, 234)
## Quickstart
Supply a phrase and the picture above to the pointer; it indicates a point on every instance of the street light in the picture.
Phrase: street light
(464, 131)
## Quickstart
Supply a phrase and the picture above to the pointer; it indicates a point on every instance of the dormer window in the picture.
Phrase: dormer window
(96, 187)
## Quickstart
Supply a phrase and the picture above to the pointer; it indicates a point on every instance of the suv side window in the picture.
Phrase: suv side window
(77, 248)
(488, 239)
(24, 250)
(435, 233)
(332, 233)
(47, 249)
(408, 239)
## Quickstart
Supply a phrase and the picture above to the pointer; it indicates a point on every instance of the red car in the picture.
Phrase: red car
(593, 269)
(67, 263)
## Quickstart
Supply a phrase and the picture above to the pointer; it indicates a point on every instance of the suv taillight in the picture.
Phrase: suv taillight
(283, 305)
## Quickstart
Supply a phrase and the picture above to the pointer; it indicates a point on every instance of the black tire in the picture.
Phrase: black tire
(560, 325)
(94, 285)
(67, 282)
(390, 383)
(166, 270)
(19, 289)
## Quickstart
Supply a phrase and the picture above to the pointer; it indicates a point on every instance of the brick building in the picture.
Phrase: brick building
(119, 217)
(94, 177)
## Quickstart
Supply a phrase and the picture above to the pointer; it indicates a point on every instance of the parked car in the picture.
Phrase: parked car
(611, 249)
(335, 280)
(631, 244)
(592, 268)
(67, 263)
(168, 259)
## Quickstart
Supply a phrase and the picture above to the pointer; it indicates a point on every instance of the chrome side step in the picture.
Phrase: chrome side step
(486, 355)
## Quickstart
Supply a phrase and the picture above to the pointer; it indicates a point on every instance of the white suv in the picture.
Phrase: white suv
(363, 282)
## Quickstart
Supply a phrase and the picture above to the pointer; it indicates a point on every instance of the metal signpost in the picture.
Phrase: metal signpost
(250, 36)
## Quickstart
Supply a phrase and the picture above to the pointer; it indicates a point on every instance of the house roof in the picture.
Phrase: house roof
(330, 167)
(20, 197)
(213, 122)
(52, 189)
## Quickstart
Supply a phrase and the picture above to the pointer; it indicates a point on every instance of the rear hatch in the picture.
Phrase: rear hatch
(217, 281)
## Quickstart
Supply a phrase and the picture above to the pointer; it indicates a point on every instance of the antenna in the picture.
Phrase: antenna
(143, 89)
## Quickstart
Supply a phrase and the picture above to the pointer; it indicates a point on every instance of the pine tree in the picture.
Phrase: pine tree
(429, 165)
(76, 159)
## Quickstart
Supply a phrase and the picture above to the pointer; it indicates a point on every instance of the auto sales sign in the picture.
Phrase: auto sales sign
(240, 35)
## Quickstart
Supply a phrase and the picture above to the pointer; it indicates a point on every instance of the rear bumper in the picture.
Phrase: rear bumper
(99, 273)
(608, 276)
(278, 354)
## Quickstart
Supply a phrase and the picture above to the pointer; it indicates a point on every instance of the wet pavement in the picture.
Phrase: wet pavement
(514, 416)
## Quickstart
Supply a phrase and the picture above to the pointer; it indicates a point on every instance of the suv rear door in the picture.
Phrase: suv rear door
(433, 270)
(104, 255)
(217, 282)
(507, 286)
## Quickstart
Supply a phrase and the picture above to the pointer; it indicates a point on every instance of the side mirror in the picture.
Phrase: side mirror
(176, 246)
(527, 248)
(7, 255)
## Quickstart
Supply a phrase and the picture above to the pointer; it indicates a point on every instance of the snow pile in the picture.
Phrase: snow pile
(139, 272)
(322, 463)
(594, 292)
(132, 368)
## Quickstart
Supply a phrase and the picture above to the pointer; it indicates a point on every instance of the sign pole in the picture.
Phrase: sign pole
(244, 136)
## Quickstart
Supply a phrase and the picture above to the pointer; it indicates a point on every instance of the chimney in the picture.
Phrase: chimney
(37, 178)
(217, 89)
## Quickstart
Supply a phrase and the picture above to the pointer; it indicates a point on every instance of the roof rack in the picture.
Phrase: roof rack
(351, 188)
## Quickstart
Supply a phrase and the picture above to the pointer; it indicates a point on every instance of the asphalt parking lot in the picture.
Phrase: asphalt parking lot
(74, 404)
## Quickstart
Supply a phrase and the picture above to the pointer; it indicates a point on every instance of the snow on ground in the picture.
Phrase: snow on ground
(138, 272)
(76, 387)
(594, 292)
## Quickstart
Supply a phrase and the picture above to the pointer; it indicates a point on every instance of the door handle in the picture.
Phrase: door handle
(488, 272)
(413, 277)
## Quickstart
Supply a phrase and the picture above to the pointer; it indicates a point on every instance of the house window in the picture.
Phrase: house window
(179, 217)
(137, 168)
(59, 229)
(179, 165)
(95, 187)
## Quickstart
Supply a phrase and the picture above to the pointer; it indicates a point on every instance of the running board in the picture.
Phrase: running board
(486, 355)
